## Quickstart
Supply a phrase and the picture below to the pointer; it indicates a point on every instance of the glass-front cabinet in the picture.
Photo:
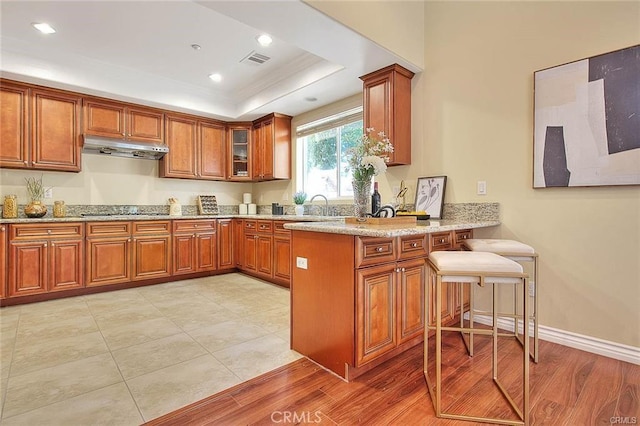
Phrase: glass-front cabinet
(240, 151)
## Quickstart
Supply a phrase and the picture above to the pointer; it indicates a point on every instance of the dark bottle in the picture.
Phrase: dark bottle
(375, 199)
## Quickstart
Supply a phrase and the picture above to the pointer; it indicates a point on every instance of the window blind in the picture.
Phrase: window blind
(330, 122)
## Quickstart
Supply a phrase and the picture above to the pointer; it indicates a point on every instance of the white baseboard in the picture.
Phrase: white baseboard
(573, 340)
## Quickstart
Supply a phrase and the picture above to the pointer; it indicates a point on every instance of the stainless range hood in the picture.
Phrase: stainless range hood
(122, 148)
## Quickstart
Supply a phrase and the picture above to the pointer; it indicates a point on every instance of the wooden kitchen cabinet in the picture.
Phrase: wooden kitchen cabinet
(121, 120)
(3, 260)
(151, 249)
(281, 254)
(40, 128)
(225, 244)
(239, 157)
(271, 148)
(108, 253)
(194, 246)
(258, 248)
(387, 107)
(45, 257)
(238, 239)
(196, 148)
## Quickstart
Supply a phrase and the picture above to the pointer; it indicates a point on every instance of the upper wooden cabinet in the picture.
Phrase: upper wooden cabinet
(196, 148)
(40, 128)
(387, 107)
(271, 147)
(123, 121)
(239, 151)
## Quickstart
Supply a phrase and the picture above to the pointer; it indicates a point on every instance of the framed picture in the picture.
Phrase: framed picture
(587, 122)
(430, 195)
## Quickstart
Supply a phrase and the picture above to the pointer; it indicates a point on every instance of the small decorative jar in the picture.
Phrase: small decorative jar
(10, 207)
(35, 208)
(59, 209)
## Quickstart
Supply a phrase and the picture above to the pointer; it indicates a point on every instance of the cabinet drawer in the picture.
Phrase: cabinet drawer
(46, 230)
(278, 227)
(250, 225)
(265, 226)
(440, 241)
(191, 226)
(109, 229)
(371, 250)
(151, 227)
(462, 235)
(412, 246)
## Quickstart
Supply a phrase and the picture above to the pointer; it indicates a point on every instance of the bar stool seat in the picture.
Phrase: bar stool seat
(519, 252)
(471, 267)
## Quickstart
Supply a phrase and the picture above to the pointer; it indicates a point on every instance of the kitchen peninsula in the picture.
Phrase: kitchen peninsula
(358, 291)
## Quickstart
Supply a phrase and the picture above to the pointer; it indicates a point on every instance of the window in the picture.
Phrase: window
(322, 153)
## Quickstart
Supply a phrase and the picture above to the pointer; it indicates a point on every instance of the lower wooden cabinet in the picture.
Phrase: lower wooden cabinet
(45, 257)
(151, 249)
(226, 258)
(265, 250)
(194, 246)
(108, 253)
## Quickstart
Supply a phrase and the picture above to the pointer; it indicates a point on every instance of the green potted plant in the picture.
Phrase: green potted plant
(35, 191)
(298, 199)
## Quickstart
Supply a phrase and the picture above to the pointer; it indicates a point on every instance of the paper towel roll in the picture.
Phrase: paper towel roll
(253, 209)
(243, 208)
(246, 198)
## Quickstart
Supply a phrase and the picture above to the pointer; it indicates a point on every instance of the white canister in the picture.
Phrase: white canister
(243, 208)
(253, 209)
(246, 198)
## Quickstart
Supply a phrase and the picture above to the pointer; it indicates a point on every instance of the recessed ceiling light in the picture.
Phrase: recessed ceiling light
(264, 40)
(215, 77)
(310, 99)
(43, 27)
(196, 46)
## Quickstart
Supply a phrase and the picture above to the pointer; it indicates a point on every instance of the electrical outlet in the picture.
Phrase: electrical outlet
(285, 197)
(482, 187)
(301, 262)
(48, 193)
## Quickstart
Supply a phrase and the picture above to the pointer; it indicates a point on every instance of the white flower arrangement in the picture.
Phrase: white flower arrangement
(370, 156)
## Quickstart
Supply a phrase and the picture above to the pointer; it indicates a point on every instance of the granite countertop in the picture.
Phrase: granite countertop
(365, 230)
(142, 216)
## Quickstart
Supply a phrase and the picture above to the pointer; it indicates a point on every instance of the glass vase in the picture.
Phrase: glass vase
(361, 196)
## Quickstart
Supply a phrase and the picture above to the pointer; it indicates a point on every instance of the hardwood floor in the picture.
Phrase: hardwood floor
(568, 387)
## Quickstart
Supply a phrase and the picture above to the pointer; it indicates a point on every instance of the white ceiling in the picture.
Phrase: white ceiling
(140, 51)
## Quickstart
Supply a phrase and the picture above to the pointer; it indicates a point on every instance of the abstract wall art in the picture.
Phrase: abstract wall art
(430, 195)
(587, 122)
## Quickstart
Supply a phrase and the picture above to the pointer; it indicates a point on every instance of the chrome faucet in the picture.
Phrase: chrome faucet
(326, 203)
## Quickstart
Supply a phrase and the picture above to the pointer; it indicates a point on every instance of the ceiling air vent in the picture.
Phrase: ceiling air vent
(255, 58)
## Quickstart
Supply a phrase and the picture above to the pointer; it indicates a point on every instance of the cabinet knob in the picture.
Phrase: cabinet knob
(378, 249)
(402, 269)
(442, 240)
(48, 231)
(52, 244)
(1, 228)
(414, 245)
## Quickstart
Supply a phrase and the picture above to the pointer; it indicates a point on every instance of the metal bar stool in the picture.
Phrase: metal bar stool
(475, 268)
(519, 252)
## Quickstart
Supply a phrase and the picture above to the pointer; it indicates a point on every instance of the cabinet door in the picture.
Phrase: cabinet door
(387, 107)
(212, 157)
(282, 259)
(181, 137)
(239, 152)
(265, 255)
(108, 261)
(3, 261)
(102, 118)
(411, 309)
(28, 267)
(257, 154)
(55, 130)
(266, 150)
(184, 254)
(375, 312)
(66, 269)
(206, 252)
(145, 125)
(14, 126)
(151, 257)
(238, 238)
(250, 254)
(225, 244)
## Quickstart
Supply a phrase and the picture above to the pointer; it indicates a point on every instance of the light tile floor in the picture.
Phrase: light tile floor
(128, 356)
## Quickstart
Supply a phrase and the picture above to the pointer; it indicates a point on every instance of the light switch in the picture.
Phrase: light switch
(482, 187)
(301, 262)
